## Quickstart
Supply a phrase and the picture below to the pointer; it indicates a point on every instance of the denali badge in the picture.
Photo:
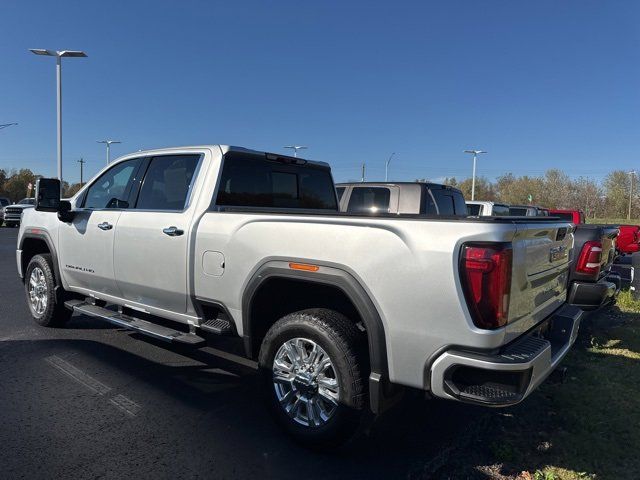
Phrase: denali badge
(558, 253)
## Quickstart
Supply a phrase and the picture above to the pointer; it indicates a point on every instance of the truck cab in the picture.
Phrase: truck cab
(486, 209)
(420, 198)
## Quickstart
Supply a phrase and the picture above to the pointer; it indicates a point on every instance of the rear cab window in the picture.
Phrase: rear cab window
(500, 210)
(474, 210)
(271, 181)
(369, 200)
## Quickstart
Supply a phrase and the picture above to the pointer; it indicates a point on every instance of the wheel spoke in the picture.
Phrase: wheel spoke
(305, 383)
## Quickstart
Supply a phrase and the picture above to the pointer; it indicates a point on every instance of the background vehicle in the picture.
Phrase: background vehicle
(4, 201)
(13, 213)
(627, 244)
(592, 284)
(401, 197)
(527, 211)
(486, 209)
(340, 310)
(574, 216)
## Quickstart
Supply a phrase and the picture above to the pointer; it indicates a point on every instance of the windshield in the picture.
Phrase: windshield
(27, 201)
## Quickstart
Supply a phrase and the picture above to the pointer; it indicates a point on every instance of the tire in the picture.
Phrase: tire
(40, 280)
(327, 406)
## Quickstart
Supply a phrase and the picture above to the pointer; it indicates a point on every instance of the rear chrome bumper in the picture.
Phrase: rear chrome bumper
(510, 375)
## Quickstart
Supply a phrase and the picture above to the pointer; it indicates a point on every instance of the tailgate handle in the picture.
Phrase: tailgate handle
(562, 232)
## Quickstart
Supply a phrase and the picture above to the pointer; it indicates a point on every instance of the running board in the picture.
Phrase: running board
(136, 324)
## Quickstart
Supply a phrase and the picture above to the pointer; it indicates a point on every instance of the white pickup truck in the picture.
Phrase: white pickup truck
(340, 310)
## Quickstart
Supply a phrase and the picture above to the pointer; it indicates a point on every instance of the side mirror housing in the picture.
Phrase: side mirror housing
(47, 195)
(65, 214)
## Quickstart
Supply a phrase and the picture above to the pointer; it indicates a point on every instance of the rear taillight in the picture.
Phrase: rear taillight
(485, 271)
(590, 258)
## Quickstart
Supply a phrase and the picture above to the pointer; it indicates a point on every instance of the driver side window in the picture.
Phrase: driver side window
(112, 189)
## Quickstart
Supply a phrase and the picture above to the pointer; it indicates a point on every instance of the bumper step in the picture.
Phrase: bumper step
(493, 394)
(136, 324)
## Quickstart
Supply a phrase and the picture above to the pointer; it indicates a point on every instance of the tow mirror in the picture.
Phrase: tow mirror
(48, 194)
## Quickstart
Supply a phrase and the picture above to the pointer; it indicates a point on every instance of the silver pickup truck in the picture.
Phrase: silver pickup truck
(340, 310)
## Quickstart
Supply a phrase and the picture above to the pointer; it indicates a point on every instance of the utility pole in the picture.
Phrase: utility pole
(631, 174)
(81, 162)
(364, 166)
(386, 167)
(473, 178)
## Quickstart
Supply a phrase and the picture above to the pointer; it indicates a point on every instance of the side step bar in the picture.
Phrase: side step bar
(132, 323)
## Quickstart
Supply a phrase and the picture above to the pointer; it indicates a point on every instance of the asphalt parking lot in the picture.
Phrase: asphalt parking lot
(94, 401)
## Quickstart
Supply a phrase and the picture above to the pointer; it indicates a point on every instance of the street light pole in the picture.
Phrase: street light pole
(5, 125)
(473, 178)
(81, 162)
(295, 149)
(108, 143)
(386, 167)
(59, 112)
(631, 174)
(58, 55)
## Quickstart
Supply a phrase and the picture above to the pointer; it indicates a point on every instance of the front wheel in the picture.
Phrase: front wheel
(40, 289)
(313, 367)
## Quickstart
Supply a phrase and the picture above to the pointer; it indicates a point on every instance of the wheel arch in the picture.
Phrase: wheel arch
(326, 276)
(32, 244)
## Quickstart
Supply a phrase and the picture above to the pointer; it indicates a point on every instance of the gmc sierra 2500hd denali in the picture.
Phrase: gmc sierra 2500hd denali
(340, 310)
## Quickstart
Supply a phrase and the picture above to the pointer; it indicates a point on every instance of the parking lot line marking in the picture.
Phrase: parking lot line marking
(78, 375)
(126, 405)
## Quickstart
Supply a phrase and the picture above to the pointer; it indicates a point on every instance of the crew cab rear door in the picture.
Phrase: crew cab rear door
(152, 238)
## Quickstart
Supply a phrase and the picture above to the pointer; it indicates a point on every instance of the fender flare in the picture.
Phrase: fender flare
(44, 236)
(330, 276)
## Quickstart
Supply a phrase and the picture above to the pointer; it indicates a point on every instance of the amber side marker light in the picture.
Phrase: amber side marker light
(304, 266)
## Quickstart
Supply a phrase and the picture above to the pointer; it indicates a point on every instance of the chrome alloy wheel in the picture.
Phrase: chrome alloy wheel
(38, 291)
(305, 382)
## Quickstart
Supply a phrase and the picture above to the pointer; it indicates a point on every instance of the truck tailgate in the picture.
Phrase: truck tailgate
(541, 256)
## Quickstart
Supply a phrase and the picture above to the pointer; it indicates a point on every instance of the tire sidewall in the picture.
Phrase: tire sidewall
(347, 414)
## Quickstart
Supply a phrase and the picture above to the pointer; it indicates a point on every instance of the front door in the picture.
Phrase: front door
(85, 245)
(151, 241)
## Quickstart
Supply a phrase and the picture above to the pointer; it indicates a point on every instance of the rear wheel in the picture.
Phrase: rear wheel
(40, 289)
(313, 368)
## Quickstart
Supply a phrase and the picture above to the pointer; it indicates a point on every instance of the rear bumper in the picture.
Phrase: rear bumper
(592, 295)
(510, 375)
(626, 272)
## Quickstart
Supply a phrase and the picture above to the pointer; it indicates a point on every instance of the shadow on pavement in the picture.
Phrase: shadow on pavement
(212, 411)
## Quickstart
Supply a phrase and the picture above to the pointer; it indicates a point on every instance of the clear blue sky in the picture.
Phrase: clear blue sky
(537, 84)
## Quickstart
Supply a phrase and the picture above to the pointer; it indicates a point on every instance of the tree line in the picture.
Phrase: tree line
(14, 184)
(555, 189)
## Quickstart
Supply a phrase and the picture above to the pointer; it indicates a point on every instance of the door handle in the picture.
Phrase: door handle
(105, 226)
(172, 231)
